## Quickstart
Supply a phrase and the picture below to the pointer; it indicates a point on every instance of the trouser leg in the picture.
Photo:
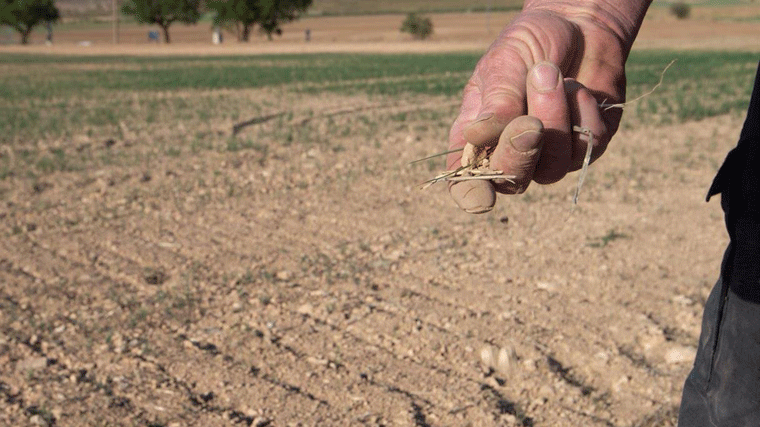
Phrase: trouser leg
(723, 389)
(694, 410)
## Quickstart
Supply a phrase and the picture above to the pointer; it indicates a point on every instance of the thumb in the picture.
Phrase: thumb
(473, 196)
(517, 154)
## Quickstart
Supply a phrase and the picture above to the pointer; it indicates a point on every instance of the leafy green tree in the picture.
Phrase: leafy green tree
(268, 14)
(24, 15)
(242, 15)
(277, 12)
(681, 10)
(163, 12)
(418, 26)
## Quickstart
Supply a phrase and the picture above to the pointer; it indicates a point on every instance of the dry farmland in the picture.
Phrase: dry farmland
(194, 235)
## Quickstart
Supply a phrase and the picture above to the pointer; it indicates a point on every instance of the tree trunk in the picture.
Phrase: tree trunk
(246, 34)
(25, 35)
(165, 27)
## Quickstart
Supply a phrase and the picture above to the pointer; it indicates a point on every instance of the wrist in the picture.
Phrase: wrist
(623, 18)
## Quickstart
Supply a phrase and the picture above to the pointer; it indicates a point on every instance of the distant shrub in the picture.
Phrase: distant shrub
(419, 27)
(680, 10)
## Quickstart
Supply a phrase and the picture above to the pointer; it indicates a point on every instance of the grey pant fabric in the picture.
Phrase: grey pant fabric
(723, 389)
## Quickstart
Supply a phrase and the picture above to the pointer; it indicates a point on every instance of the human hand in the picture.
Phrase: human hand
(548, 71)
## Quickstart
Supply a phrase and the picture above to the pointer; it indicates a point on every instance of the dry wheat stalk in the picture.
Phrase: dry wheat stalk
(476, 160)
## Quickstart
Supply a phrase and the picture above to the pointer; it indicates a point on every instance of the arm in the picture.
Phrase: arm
(547, 71)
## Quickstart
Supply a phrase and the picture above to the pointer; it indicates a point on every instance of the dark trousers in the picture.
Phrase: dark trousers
(723, 389)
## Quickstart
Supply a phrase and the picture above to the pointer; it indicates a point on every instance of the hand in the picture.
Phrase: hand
(548, 71)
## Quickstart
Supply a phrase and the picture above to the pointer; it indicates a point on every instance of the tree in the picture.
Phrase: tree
(242, 14)
(277, 12)
(418, 26)
(163, 12)
(680, 10)
(269, 14)
(24, 15)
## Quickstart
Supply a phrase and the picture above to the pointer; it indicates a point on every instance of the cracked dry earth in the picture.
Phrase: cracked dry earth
(313, 284)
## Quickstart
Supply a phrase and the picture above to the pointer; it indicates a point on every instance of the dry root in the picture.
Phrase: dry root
(475, 164)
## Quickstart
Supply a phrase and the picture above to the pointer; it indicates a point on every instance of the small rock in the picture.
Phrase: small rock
(118, 343)
(546, 286)
(682, 300)
(680, 355)
(545, 392)
(487, 357)
(621, 384)
(509, 419)
(283, 275)
(529, 365)
(37, 420)
(306, 309)
(651, 339)
(31, 364)
(602, 356)
(506, 361)
(317, 361)
(539, 401)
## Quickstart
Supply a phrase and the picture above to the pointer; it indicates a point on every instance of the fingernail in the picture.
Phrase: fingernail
(483, 117)
(473, 196)
(545, 77)
(525, 141)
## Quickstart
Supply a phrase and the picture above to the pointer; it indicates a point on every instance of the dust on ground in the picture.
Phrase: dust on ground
(302, 278)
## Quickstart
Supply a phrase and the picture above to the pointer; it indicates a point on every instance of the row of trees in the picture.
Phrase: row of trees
(240, 16)
(237, 15)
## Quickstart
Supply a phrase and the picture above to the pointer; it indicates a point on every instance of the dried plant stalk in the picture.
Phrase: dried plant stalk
(475, 162)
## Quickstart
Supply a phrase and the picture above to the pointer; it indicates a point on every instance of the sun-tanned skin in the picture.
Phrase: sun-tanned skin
(547, 71)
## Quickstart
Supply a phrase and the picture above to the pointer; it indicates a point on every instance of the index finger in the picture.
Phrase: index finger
(501, 99)
(493, 97)
(467, 113)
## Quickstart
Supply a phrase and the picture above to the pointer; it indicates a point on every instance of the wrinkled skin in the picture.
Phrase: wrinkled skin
(547, 71)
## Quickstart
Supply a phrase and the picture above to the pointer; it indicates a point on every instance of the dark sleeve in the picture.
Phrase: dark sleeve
(740, 166)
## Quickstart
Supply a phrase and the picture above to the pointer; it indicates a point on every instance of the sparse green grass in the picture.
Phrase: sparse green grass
(44, 98)
(80, 82)
(51, 97)
(50, 78)
(602, 241)
(697, 86)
